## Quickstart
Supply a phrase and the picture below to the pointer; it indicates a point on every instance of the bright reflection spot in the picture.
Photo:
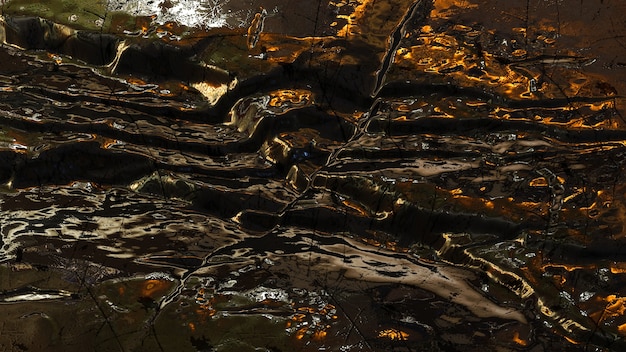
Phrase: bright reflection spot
(191, 13)
(211, 92)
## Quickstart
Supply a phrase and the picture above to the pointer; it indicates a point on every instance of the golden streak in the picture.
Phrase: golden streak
(566, 267)
(355, 206)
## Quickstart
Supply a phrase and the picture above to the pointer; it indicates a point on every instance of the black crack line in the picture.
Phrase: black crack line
(394, 42)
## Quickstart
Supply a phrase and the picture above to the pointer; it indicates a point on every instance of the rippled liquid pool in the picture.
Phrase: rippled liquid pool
(205, 175)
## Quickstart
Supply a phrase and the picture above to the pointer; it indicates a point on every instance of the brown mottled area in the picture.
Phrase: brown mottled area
(593, 30)
(348, 175)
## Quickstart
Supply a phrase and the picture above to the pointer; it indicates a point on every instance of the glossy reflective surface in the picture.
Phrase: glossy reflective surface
(342, 176)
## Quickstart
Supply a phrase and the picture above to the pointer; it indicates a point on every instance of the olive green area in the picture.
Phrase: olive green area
(228, 50)
(223, 334)
(123, 314)
(74, 13)
(224, 48)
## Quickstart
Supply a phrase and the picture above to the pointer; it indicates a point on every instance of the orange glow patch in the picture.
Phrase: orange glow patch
(357, 115)
(192, 327)
(298, 317)
(571, 340)
(351, 27)
(393, 334)
(121, 290)
(618, 268)
(108, 143)
(292, 97)
(539, 182)
(308, 310)
(205, 311)
(371, 242)
(529, 204)
(272, 49)
(319, 335)
(152, 287)
(456, 191)
(135, 81)
(393, 246)
(622, 329)
(615, 307)
(519, 340)
(286, 49)
(602, 106)
(301, 332)
(57, 59)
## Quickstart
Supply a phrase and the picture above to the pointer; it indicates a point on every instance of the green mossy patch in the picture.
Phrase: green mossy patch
(91, 15)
